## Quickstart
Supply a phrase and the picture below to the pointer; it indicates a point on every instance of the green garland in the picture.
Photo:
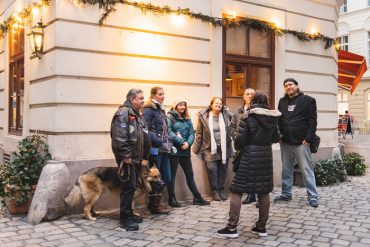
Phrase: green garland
(109, 6)
(24, 14)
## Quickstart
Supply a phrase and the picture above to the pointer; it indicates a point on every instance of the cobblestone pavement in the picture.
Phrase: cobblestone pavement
(342, 219)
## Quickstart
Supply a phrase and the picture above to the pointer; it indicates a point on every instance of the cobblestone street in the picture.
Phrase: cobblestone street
(342, 219)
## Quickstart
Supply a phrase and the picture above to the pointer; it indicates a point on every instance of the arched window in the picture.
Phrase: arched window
(342, 103)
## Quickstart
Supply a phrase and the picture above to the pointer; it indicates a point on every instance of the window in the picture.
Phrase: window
(342, 103)
(343, 8)
(248, 63)
(16, 78)
(344, 42)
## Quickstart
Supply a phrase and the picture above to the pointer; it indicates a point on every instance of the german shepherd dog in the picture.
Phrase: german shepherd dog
(94, 182)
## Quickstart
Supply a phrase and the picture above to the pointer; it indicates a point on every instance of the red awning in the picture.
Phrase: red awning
(351, 67)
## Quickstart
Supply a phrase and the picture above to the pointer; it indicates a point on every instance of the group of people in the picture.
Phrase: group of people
(145, 131)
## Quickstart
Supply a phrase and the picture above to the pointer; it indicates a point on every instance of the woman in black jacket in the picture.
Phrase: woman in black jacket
(257, 131)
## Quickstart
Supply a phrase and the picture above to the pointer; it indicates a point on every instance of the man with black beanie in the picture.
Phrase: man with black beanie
(297, 126)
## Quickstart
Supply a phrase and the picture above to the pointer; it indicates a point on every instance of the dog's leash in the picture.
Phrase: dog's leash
(121, 172)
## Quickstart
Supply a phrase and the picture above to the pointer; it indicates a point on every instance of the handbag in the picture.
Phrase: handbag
(166, 146)
(314, 145)
(236, 160)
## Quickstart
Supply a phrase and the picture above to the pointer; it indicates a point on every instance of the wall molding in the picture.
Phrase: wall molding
(92, 78)
(311, 54)
(126, 28)
(57, 133)
(310, 73)
(322, 93)
(84, 104)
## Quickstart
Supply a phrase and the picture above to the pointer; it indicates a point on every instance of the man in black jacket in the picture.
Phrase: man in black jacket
(130, 147)
(297, 126)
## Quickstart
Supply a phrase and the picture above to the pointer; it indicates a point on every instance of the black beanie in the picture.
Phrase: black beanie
(290, 79)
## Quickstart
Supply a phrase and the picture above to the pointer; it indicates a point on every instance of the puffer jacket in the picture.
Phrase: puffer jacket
(202, 143)
(256, 133)
(155, 119)
(129, 135)
(184, 126)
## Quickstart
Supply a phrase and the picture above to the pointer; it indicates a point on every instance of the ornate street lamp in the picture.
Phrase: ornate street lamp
(36, 38)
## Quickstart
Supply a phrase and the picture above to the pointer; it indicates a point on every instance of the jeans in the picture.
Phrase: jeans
(127, 193)
(235, 206)
(164, 167)
(216, 174)
(302, 155)
(185, 163)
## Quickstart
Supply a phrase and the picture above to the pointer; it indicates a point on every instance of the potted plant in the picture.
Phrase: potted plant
(20, 176)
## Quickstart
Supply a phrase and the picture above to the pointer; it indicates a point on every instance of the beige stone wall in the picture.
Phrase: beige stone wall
(73, 91)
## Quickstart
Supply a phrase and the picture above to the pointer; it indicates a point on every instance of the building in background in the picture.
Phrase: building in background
(354, 33)
(71, 93)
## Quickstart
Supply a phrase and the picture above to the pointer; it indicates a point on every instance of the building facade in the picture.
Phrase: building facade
(71, 93)
(354, 32)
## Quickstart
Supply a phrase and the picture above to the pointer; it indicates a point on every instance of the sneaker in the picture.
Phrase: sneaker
(223, 195)
(216, 196)
(259, 231)
(136, 218)
(198, 200)
(314, 203)
(282, 198)
(249, 199)
(174, 203)
(228, 233)
(129, 225)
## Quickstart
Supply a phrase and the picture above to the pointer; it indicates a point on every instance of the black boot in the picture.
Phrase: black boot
(173, 202)
(136, 218)
(216, 196)
(250, 198)
(129, 225)
(198, 200)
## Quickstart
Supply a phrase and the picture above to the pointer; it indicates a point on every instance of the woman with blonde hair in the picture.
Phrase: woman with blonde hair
(213, 141)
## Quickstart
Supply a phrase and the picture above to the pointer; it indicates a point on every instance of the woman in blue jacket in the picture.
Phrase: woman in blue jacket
(181, 132)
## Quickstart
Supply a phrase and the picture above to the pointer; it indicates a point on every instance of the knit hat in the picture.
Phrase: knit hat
(177, 101)
(291, 80)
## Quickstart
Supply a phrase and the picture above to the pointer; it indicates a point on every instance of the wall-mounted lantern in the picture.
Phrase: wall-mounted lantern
(36, 38)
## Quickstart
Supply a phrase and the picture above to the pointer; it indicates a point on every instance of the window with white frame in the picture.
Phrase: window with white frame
(343, 8)
(344, 42)
(342, 103)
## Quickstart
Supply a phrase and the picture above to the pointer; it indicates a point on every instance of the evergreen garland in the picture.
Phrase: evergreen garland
(24, 14)
(109, 6)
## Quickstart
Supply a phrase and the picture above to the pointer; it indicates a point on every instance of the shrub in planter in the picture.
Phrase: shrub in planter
(23, 172)
(329, 172)
(355, 164)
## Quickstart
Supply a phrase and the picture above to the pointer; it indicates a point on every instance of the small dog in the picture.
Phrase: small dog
(94, 182)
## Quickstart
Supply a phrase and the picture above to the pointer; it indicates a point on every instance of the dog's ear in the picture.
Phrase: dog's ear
(145, 163)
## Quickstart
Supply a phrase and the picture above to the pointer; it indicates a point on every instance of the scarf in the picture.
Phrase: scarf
(221, 122)
(163, 108)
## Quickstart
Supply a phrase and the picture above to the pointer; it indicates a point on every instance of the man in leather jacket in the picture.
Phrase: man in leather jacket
(130, 146)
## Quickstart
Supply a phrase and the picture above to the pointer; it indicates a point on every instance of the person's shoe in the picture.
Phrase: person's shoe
(136, 218)
(282, 198)
(223, 195)
(314, 203)
(216, 196)
(227, 232)
(174, 203)
(198, 200)
(259, 231)
(249, 199)
(129, 225)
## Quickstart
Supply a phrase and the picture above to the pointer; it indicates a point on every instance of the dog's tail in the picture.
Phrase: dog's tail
(74, 196)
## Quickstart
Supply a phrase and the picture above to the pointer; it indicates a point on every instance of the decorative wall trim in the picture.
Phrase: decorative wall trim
(55, 133)
(310, 73)
(122, 54)
(327, 129)
(322, 93)
(311, 54)
(2, 89)
(1, 109)
(327, 111)
(287, 11)
(126, 28)
(1, 71)
(77, 77)
(66, 104)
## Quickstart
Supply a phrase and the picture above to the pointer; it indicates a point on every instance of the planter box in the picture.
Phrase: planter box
(13, 209)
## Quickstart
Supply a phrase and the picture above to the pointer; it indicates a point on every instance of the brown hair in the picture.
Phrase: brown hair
(213, 100)
(154, 91)
(185, 114)
(260, 98)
